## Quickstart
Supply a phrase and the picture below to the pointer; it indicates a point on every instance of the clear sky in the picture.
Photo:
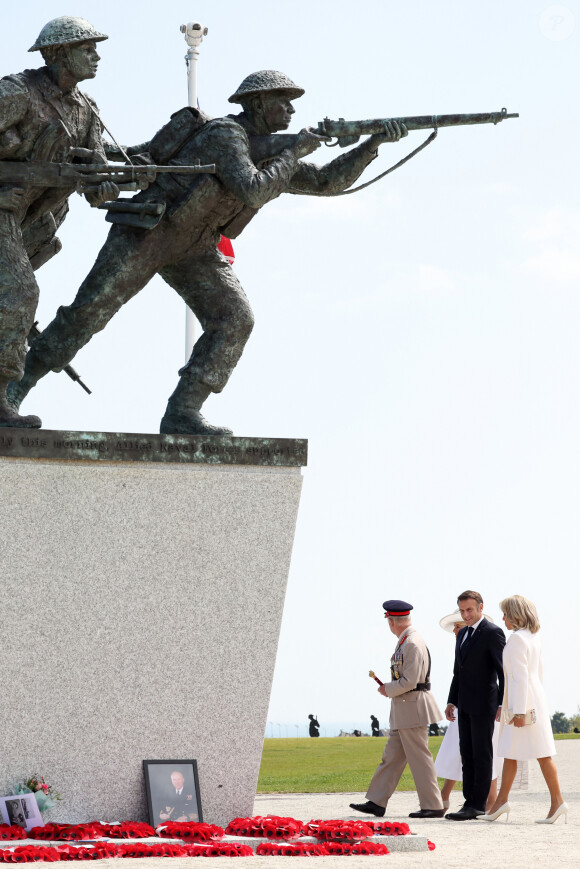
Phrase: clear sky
(421, 334)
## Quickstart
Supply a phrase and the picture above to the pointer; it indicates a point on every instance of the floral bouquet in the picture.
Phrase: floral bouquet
(45, 794)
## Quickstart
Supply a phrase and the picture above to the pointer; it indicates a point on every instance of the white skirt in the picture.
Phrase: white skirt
(448, 760)
(527, 743)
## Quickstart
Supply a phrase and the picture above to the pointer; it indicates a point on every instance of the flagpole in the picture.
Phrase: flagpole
(194, 33)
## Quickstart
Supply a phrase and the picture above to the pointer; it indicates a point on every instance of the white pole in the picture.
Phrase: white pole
(194, 33)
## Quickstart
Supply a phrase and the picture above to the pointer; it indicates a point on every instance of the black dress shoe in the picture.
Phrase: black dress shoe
(464, 814)
(428, 813)
(369, 808)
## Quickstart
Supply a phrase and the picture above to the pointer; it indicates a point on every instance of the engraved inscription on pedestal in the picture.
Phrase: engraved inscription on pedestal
(114, 446)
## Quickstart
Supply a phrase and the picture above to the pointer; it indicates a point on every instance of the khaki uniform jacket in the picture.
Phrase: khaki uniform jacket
(410, 708)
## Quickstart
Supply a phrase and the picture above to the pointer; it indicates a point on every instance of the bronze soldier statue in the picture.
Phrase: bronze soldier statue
(185, 218)
(43, 117)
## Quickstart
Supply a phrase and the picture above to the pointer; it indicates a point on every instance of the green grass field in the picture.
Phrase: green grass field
(331, 766)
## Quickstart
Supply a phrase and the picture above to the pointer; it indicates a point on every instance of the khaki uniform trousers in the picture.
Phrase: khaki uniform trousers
(406, 746)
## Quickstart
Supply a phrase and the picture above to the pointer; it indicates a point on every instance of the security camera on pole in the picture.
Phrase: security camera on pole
(194, 33)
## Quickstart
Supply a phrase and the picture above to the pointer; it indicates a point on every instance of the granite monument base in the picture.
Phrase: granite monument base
(143, 582)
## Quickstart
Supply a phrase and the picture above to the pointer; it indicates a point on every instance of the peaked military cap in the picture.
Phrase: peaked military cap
(397, 608)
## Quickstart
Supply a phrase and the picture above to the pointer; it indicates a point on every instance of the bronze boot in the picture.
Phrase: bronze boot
(183, 411)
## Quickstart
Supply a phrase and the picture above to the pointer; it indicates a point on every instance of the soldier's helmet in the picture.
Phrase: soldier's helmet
(66, 30)
(263, 81)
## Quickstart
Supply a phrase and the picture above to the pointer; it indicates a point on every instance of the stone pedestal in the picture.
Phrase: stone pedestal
(142, 587)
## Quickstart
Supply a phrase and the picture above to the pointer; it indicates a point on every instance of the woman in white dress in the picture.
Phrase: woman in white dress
(448, 761)
(525, 730)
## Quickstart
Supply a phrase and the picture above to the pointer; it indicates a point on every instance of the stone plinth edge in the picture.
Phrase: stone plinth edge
(123, 447)
(408, 843)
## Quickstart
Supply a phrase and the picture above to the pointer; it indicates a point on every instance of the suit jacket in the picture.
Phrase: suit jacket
(478, 680)
(410, 708)
(182, 804)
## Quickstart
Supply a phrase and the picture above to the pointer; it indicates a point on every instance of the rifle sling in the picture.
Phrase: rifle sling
(427, 141)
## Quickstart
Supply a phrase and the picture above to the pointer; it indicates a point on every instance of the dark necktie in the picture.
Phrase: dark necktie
(467, 640)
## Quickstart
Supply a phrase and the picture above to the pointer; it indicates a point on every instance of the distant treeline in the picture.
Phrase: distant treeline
(561, 724)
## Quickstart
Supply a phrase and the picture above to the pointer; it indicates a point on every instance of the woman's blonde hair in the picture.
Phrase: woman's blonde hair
(521, 612)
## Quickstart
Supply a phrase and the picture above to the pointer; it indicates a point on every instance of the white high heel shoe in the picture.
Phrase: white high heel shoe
(561, 810)
(503, 810)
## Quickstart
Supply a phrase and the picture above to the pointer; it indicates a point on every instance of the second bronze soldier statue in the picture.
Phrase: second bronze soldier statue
(43, 117)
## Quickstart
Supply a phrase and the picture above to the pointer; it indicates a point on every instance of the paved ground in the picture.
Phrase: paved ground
(497, 845)
(519, 844)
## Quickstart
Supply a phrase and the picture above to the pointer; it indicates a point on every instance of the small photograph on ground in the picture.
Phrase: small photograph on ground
(21, 810)
(172, 791)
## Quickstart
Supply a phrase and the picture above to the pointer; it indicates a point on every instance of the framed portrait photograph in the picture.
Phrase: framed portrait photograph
(21, 809)
(172, 791)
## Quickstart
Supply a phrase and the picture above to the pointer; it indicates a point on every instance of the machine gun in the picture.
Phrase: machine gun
(349, 132)
(87, 176)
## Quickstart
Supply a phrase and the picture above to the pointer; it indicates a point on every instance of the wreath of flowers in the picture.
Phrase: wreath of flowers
(59, 832)
(28, 853)
(142, 849)
(129, 830)
(93, 830)
(12, 831)
(341, 831)
(270, 827)
(191, 831)
(222, 849)
(389, 828)
(292, 849)
(99, 851)
(369, 848)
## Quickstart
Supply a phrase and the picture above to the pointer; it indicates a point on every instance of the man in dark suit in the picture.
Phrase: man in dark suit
(476, 692)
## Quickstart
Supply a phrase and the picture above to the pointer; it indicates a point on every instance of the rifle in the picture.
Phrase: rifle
(68, 369)
(88, 176)
(349, 132)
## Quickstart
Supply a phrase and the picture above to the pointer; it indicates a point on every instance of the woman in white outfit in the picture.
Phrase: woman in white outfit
(448, 761)
(525, 731)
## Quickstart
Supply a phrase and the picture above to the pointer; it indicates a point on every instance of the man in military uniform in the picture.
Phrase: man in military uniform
(181, 245)
(179, 803)
(43, 117)
(412, 710)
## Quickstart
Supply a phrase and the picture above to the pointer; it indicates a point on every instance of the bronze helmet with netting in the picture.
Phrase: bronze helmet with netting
(66, 30)
(263, 81)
